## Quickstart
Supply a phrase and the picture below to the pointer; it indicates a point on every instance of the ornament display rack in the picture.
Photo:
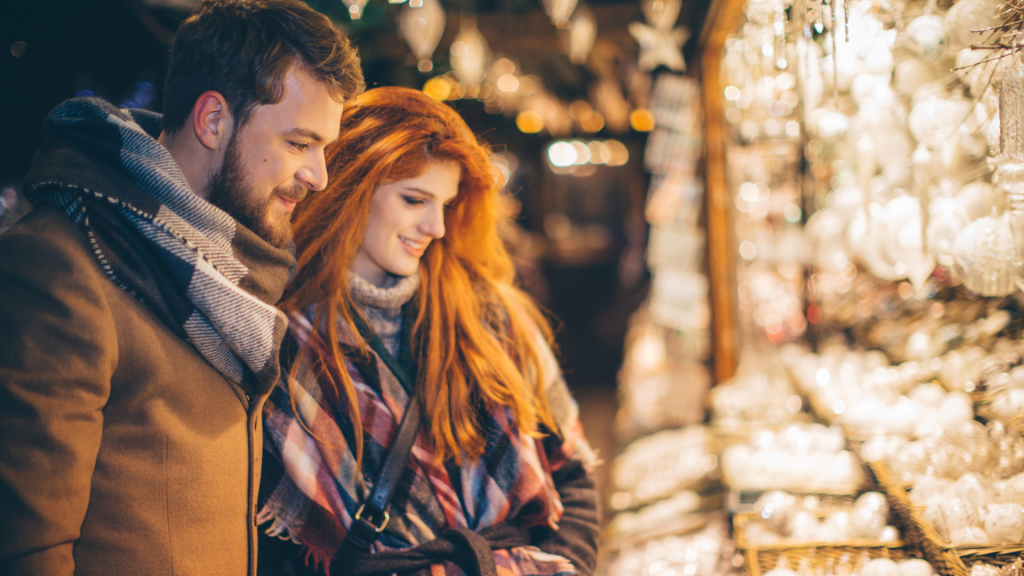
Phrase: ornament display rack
(867, 309)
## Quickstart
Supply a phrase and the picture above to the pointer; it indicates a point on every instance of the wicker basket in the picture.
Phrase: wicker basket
(948, 560)
(759, 561)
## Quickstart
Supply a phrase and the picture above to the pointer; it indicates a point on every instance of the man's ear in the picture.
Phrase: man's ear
(211, 120)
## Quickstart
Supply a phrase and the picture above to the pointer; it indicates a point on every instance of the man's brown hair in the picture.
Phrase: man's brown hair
(243, 48)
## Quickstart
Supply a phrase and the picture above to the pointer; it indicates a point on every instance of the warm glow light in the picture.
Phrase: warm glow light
(529, 122)
(528, 85)
(507, 83)
(579, 108)
(641, 120)
(425, 65)
(438, 87)
(486, 92)
(353, 11)
(562, 154)
(592, 122)
(582, 152)
(504, 66)
(732, 93)
(459, 48)
(600, 153)
(580, 158)
(619, 153)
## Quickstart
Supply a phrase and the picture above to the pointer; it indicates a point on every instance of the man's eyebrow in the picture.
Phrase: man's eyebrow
(305, 133)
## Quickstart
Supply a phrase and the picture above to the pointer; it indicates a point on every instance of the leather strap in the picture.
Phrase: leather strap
(372, 517)
(471, 551)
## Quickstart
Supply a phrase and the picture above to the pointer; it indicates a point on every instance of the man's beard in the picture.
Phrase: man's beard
(228, 190)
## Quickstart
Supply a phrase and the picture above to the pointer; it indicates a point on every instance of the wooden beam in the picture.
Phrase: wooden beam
(723, 19)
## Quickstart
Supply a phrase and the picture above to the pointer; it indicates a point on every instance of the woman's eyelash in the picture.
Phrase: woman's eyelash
(412, 201)
(300, 145)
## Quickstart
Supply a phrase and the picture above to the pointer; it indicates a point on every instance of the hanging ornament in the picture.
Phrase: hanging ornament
(968, 15)
(984, 258)
(926, 37)
(661, 14)
(355, 8)
(581, 35)
(946, 219)
(559, 11)
(469, 53)
(422, 29)
(659, 42)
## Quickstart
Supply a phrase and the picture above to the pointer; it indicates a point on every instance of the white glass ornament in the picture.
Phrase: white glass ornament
(581, 35)
(870, 248)
(422, 28)
(951, 516)
(984, 257)
(973, 489)
(911, 74)
(890, 534)
(903, 242)
(878, 61)
(559, 10)
(804, 526)
(946, 219)
(915, 567)
(926, 37)
(880, 567)
(933, 120)
(776, 507)
(968, 15)
(469, 52)
(969, 536)
(832, 125)
(836, 527)
(1004, 523)
(976, 198)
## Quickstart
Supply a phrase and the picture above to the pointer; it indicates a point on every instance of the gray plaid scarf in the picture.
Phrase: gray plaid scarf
(208, 278)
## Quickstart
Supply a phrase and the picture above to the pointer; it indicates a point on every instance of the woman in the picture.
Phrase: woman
(400, 263)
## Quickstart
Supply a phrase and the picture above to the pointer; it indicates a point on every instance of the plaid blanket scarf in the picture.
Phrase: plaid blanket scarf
(320, 491)
(209, 279)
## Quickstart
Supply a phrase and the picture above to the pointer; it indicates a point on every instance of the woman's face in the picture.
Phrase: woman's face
(405, 216)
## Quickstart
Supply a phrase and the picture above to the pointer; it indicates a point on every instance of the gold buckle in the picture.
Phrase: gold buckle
(379, 529)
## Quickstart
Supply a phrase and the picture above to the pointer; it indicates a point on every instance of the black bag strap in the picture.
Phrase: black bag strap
(372, 517)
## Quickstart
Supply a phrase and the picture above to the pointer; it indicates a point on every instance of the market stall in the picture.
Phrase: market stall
(865, 233)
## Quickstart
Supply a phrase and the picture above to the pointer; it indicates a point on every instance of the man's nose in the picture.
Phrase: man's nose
(314, 175)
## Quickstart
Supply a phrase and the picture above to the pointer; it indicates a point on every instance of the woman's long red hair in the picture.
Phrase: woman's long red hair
(476, 337)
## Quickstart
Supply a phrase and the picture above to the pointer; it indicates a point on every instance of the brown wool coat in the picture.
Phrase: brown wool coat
(122, 451)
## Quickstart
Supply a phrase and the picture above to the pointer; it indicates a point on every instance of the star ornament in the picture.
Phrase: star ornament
(660, 46)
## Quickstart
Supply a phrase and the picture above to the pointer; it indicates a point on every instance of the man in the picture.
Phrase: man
(138, 336)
